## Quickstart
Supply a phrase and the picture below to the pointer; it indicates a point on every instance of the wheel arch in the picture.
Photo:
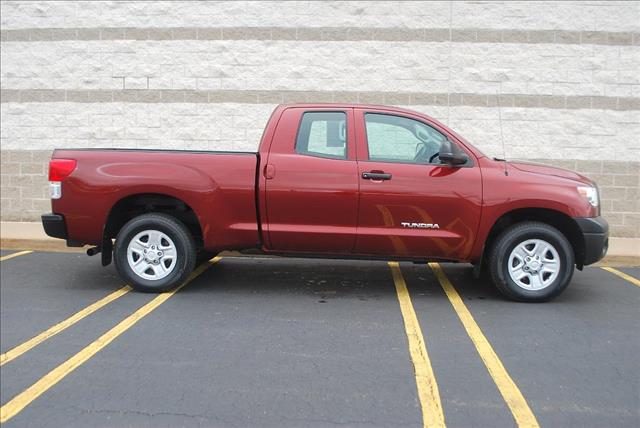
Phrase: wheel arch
(137, 204)
(561, 221)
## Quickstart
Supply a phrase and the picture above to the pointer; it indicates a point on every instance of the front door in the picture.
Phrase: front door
(410, 204)
(312, 182)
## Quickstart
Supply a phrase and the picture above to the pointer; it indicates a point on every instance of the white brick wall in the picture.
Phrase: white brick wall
(406, 66)
(529, 133)
(571, 15)
(320, 65)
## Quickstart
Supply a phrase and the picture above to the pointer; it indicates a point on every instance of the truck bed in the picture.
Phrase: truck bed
(219, 187)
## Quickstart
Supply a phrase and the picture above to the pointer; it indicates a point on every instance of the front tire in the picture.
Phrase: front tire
(531, 262)
(154, 253)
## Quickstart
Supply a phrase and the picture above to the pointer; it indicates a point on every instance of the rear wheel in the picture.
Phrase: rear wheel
(531, 262)
(154, 252)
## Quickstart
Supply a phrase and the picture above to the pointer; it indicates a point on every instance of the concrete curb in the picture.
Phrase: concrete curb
(31, 235)
(13, 230)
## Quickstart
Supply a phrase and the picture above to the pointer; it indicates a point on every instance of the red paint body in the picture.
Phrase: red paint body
(315, 205)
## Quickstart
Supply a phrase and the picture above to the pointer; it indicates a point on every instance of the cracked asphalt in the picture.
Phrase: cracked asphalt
(270, 342)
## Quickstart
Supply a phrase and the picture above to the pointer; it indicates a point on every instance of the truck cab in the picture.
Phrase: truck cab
(368, 181)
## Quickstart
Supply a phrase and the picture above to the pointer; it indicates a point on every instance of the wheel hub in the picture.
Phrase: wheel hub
(534, 264)
(152, 254)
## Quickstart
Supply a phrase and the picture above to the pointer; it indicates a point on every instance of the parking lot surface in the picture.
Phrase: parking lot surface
(273, 342)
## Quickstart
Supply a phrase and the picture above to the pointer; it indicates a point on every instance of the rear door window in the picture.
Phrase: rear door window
(323, 134)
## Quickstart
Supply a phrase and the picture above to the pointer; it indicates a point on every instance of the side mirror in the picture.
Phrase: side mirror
(450, 154)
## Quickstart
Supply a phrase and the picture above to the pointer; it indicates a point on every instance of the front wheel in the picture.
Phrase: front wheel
(154, 252)
(531, 262)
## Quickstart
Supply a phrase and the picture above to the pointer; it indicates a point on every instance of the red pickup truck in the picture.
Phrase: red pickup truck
(336, 181)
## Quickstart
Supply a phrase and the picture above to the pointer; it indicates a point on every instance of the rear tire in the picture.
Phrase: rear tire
(154, 253)
(531, 262)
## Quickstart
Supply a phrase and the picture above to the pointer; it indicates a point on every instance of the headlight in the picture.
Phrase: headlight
(590, 194)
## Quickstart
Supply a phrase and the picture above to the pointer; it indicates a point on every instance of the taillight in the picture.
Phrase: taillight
(59, 169)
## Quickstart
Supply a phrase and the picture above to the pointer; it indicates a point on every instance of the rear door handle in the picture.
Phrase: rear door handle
(376, 176)
(269, 171)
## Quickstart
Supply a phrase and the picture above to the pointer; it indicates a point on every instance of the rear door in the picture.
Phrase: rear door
(410, 204)
(311, 182)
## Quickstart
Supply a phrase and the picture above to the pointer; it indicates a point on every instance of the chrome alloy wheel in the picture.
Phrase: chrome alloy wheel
(152, 255)
(534, 264)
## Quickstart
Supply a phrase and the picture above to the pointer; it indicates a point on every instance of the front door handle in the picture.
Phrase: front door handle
(376, 176)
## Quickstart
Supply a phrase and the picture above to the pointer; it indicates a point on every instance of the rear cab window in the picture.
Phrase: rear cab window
(323, 134)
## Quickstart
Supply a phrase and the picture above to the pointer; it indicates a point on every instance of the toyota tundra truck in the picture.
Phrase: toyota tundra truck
(335, 181)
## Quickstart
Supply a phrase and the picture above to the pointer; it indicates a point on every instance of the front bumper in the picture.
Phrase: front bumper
(54, 225)
(595, 232)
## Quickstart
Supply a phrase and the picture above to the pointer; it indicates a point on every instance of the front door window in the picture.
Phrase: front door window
(400, 139)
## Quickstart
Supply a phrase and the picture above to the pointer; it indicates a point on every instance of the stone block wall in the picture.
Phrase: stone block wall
(558, 82)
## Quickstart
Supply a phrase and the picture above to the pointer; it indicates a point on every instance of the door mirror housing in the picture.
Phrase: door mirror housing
(450, 154)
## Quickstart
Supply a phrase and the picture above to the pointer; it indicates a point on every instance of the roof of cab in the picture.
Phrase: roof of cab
(343, 105)
(352, 105)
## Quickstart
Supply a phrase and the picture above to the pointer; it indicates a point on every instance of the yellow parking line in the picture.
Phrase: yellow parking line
(623, 275)
(512, 396)
(12, 255)
(61, 326)
(432, 414)
(22, 400)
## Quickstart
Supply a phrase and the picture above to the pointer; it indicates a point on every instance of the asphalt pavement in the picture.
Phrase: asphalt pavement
(271, 342)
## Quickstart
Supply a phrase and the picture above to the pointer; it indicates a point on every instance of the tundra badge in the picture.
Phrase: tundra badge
(420, 225)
